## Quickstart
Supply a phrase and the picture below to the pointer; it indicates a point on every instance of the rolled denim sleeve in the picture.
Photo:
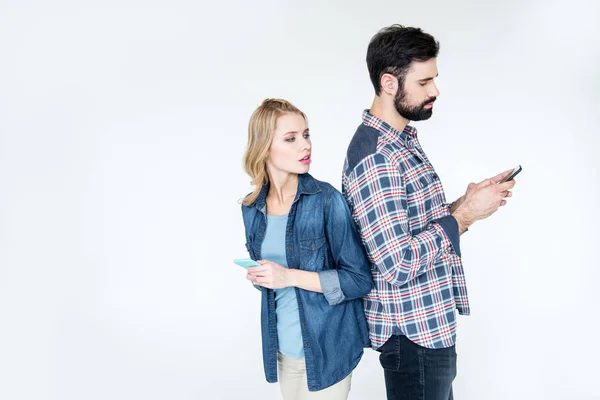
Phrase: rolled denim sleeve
(351, 279)
(332, 289)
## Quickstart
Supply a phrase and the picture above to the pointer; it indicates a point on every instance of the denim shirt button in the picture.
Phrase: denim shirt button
(307, 344)
(289, 249)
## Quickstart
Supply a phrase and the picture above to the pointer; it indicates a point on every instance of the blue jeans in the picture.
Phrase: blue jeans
(413, 372)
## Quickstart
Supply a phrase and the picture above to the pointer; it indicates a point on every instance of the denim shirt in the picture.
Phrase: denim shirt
(320, 237)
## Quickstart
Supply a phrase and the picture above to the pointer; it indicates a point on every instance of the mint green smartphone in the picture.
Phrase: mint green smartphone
(246, 262)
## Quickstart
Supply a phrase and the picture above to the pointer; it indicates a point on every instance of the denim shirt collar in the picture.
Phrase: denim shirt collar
(306, 186)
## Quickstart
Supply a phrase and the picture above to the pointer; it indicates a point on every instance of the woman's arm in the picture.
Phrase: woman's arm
(274, 276)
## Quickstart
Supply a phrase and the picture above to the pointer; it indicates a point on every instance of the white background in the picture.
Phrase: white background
(122, 127)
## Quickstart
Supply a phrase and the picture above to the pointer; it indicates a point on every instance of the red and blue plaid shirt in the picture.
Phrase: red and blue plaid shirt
(412, 241)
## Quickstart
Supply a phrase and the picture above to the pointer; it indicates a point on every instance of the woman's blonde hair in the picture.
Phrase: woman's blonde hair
(260, 135)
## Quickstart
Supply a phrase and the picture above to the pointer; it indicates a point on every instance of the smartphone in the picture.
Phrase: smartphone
(246, 262)
(512, 175)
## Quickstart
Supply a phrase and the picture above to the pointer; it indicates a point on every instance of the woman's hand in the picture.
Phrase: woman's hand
(270, 275)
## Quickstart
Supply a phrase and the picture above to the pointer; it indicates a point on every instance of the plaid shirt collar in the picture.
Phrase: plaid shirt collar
(390, 133)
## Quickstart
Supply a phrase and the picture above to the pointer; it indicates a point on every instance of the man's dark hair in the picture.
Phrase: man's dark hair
(394, 48)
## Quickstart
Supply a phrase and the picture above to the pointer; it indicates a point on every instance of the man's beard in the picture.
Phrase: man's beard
(410, 112)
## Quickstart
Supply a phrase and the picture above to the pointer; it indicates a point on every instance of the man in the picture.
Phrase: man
(412, 236)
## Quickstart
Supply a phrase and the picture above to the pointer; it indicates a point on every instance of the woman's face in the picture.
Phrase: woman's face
(290, 149)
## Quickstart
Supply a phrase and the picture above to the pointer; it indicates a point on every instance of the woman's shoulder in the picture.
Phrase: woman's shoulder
(327, 189)
(246, 207)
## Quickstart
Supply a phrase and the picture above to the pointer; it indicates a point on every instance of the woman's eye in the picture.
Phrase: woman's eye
(290, 139)
(306, 135)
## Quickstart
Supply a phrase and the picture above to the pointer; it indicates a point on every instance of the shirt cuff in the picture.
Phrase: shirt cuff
(330, 283)
(449, 206)
(450, 227)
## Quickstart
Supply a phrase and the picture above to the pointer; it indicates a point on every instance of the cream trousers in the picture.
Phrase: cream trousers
(292, 380)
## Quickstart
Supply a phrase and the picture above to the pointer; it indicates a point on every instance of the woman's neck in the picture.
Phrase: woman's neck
(282, 187)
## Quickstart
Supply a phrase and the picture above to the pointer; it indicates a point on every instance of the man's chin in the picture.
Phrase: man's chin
(426, 116)
(422, 116)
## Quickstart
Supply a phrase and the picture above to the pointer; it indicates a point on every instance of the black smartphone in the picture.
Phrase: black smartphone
(512, 175)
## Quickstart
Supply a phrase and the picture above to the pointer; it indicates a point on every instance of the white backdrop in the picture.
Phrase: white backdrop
(122, 126)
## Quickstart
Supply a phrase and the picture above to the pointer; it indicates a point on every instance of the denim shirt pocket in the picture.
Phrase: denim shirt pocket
(312, 253)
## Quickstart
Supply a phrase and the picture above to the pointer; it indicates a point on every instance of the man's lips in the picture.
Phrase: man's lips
(429, 104)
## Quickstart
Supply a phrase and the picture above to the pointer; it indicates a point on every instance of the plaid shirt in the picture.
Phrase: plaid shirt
(412, 242)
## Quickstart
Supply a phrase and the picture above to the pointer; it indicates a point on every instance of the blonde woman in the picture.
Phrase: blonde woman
(313, 269)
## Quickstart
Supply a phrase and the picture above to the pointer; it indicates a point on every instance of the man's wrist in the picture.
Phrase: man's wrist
(463, 220)
(454, 206)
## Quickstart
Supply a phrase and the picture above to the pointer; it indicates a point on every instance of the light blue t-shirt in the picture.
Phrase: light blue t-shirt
(289, 334)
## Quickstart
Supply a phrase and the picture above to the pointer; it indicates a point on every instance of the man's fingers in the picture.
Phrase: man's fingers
(484, 183)
(503, 187)
(500, 176)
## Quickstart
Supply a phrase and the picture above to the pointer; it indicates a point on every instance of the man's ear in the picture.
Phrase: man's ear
(389, 84)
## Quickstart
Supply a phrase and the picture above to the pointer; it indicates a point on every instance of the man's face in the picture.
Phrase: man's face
(415, 96)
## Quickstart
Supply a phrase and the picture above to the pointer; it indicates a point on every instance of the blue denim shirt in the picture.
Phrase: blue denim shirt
(320, 237)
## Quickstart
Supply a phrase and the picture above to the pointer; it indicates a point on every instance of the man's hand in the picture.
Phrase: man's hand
(458, 202)
(270, 275)
(482, 200)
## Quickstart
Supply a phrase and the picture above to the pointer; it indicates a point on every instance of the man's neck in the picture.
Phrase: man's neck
(388, 114)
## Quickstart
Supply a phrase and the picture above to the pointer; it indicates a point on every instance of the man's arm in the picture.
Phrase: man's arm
(378, 195)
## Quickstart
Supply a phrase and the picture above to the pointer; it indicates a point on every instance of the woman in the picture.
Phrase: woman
(313, 269)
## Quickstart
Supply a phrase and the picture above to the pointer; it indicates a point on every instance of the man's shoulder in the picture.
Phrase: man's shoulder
(366, 143)
(363, 144)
